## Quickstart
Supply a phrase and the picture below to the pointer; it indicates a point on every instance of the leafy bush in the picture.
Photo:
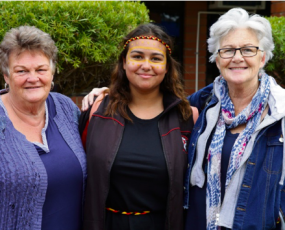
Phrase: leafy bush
(276, 66)
(87, 35)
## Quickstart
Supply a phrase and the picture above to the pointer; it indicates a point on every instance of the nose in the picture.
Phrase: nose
(32, 76)
(238, 56)
(146, 65)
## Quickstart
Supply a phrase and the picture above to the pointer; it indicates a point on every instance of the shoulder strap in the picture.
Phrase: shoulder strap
(195, 113)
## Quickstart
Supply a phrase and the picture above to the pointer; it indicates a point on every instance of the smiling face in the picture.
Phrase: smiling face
(240, 71)
(145, 65)
(30, 77)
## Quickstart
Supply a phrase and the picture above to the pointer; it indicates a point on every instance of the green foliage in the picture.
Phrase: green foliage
(87, 35)
(276, 66)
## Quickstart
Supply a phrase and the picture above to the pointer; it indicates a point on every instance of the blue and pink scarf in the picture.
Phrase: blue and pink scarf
(250, 116)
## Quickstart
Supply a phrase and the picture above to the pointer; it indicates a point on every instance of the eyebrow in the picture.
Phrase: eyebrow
(231, 46)
(140, 52)
(22, 66)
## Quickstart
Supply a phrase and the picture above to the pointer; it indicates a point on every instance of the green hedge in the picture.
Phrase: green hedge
(87, 35)
(276, 66)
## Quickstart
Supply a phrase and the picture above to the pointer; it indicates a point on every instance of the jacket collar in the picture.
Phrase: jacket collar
(170, 101)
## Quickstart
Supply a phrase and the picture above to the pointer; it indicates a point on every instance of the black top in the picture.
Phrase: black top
(196, 214)
(139, 178)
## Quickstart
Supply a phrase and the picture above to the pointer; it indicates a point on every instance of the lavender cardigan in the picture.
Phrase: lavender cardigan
(23, 178)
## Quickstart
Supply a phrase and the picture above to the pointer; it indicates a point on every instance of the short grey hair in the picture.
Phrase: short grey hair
(239, 18)
(27, 38)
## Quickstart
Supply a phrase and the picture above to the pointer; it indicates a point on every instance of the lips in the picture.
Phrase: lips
(145, 76)
(238, 68)
(32, 87)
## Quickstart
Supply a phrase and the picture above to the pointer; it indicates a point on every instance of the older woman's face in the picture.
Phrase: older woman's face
(30, 76)
(239, 70)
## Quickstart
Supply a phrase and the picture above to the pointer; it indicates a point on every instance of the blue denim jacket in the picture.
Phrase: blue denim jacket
(261, 200)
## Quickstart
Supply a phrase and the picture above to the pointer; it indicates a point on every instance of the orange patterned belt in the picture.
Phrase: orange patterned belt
(127, 213)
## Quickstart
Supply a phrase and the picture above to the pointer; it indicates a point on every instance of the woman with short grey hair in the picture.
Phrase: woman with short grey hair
(27, 38)
(236, 173)
(42, 161)
(238, 18)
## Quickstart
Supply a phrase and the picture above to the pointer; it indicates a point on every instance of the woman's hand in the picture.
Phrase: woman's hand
(88, 100)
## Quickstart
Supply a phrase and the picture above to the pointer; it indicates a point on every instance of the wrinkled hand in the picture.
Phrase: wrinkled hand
(88, 100)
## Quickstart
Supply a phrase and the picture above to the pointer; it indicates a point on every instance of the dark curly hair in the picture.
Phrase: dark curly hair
(119, 90)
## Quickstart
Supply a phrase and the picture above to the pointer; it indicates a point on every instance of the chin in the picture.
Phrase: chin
(36, 99)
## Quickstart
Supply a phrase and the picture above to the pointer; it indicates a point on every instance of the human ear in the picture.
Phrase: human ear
(6, 78)
(262, 62)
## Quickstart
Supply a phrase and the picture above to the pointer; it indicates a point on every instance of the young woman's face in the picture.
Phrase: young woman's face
(145, 65)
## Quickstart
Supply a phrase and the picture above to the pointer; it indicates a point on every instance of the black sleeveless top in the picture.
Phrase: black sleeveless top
(139, 178)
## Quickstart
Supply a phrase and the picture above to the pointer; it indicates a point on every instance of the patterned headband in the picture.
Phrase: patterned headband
(150, 38)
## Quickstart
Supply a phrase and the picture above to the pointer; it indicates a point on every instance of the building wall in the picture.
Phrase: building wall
(277, 8)
(77, 100)
(190, 34)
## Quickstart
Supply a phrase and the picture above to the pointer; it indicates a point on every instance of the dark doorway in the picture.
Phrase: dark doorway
(170, 16)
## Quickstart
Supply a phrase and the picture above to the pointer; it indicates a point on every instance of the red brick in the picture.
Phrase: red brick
(77, 100)
(193, 20)
(278, 7)
(195, 6)
(190, 36)
(189, 52)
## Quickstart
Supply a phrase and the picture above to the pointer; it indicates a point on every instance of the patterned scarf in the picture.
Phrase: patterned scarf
(227, 120)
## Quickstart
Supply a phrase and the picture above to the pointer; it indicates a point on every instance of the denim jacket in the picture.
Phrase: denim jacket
(261, 198)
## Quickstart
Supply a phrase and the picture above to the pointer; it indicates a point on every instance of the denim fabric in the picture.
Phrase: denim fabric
(261, 198)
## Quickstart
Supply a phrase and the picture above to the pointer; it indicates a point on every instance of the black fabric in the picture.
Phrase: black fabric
(226, 153)
(139, 178)
(103, 141)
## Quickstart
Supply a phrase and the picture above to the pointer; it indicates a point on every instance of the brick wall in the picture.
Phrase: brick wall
(190, 33)
(277, 8)
(77, 100)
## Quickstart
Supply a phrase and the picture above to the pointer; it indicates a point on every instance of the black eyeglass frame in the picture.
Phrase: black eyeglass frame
(257, 48)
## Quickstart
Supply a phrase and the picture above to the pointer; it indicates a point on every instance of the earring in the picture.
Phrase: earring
(52, 85)
(6, 86)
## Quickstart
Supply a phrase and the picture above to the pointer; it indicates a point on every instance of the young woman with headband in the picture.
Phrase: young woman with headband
(136, 140)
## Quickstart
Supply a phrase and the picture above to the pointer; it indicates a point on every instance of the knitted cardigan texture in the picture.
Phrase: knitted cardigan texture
(23, 178)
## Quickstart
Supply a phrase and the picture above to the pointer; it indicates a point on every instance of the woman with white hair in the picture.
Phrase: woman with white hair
(235, 178)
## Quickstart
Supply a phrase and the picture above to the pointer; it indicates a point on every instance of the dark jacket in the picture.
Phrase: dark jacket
(103, 141)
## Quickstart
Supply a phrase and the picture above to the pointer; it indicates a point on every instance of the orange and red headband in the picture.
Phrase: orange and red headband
(150, 38)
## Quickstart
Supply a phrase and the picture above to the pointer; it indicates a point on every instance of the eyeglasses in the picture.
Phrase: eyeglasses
(247, 51)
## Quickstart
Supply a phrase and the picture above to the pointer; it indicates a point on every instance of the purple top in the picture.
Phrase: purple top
(63, 204)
